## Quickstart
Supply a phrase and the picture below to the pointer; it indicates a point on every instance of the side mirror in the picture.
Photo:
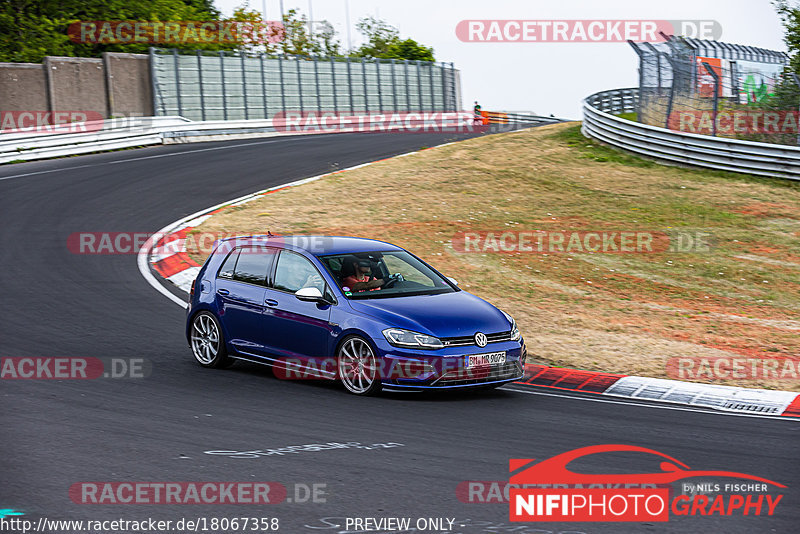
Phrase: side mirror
(309, 294)
(453, 280)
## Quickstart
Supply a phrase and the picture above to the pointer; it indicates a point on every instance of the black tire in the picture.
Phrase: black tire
(357, 367)
(208, 343)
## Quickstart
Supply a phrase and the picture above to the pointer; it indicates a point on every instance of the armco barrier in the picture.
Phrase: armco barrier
(111, 134)
(141, 131)
(683, 148)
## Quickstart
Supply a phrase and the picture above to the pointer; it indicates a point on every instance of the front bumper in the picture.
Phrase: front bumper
(408, 369)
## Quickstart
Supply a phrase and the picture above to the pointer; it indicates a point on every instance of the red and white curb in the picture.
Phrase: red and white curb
(725, 398)
(165, 252)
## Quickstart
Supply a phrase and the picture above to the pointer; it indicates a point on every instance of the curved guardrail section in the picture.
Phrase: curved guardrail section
(678, 147)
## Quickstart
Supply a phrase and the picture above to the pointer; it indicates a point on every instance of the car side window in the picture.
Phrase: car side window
(229, 265)
(294, 272)
(253, 265)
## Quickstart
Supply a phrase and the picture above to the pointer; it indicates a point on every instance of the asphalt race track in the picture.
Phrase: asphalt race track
(56, 433)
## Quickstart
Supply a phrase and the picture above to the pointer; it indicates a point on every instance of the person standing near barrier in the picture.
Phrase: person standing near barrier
(477, 113)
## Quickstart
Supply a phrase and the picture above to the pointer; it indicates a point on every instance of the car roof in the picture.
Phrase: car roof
(318, 245)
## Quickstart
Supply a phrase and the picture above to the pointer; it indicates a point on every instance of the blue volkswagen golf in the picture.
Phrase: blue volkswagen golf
(365, 312)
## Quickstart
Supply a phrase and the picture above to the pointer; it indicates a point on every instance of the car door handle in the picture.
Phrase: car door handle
(223, 292)
(271, 302)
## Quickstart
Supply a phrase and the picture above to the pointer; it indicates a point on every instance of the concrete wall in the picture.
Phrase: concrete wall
(22, 87)
(76, 83)
(129, 89)
(116, 85)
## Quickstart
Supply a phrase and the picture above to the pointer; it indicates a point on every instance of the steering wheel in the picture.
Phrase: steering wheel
(393, 279)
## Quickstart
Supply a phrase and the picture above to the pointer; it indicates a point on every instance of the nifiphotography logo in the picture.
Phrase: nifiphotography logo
(549, 491)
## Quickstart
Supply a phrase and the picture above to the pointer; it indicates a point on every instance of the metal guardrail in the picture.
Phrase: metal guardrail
(115, 134)
(112, 134)
(682, 148)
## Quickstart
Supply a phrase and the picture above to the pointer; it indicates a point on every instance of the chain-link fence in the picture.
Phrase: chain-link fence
(718, 89)
(203, 85)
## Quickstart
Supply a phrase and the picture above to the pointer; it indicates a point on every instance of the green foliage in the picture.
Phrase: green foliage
(299, 41)
(790, 16)
(383, 41)
(33, 29)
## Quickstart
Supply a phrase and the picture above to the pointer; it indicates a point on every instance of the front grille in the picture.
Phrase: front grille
(461, 377)
(464, 341)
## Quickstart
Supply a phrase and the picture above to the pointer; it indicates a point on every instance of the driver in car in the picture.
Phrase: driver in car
(361, 280)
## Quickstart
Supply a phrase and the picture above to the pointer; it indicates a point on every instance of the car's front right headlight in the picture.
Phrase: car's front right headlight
(408, 338)
(515, 335)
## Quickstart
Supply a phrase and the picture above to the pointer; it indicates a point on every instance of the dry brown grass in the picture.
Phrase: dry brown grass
(619, 313)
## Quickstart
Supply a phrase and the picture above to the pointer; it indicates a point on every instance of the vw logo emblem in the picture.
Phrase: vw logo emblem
(480, 339)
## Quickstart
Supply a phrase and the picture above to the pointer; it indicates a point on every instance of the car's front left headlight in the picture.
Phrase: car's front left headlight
(515, 335)
(407, 338)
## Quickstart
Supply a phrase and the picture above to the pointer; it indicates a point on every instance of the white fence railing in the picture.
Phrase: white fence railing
(682, 148)
(115, 134)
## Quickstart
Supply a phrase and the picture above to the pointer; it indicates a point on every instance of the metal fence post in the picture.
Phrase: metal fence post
(419, 85)
(333, 85)
(154, 83)
(177, 80)
(378, 83)
(244, 87)
(444, 88)
(299, 84)
(283, 90)
(394, 85)
(671, 99)
(316, 82)
(263, 84)
(716, 96)
(430, 79)
(350, 85)
(364, 76)
(200, 83)
(222, 77)
(408, 87)
(640, 53)
(453, 85)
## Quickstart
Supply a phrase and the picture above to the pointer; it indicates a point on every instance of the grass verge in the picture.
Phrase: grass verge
(627, 313)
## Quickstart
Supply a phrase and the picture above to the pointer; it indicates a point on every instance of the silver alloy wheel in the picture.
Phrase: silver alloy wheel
(205, 339)
(357, 366)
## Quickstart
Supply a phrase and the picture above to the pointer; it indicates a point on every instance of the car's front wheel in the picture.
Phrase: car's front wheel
(208, 345)
(358, 367)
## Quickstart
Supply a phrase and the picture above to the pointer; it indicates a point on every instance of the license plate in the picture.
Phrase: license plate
(480, 360)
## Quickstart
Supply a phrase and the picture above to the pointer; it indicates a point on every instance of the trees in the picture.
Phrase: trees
(33, 29)
(790, 16)
(383, 41)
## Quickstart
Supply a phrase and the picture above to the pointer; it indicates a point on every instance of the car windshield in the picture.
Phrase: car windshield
(367, 275)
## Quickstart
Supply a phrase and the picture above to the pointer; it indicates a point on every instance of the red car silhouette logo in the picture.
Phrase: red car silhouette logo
(554, 470)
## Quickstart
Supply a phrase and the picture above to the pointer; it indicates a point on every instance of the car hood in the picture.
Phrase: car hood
(444, 315)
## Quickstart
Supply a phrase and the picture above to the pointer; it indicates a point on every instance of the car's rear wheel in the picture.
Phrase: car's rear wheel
(357, 367)
(208, 345)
